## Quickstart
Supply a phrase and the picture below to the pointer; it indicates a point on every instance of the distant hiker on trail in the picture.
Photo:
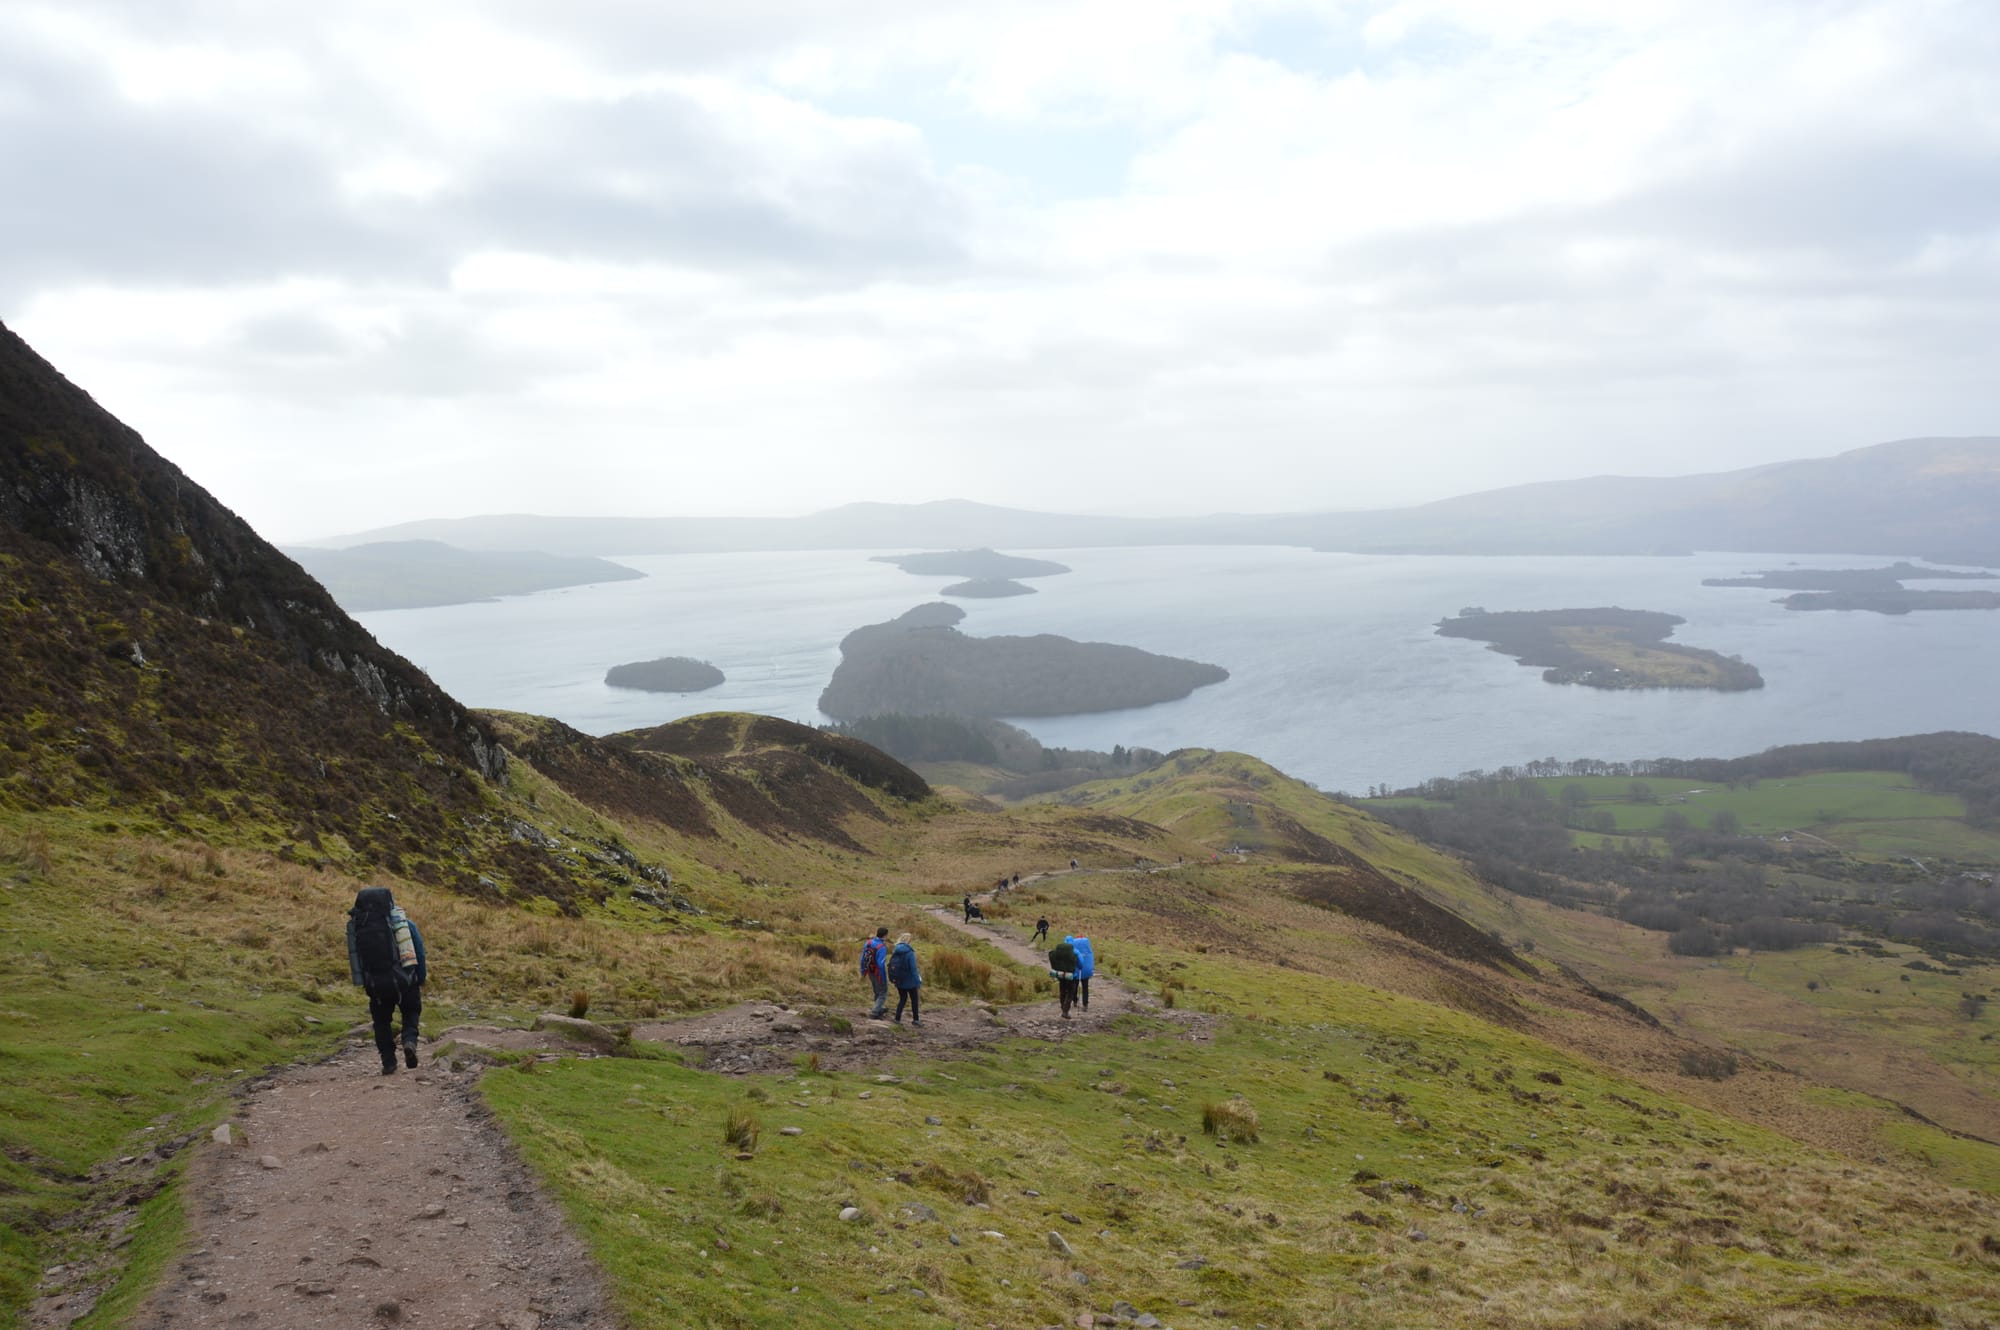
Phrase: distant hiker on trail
(903, 974)
(972, 911)
(1017, 880)
(1072, 865)
(875, 969)
(1062, 968)
(1086, 966)
(385, 957)
(1041, 933)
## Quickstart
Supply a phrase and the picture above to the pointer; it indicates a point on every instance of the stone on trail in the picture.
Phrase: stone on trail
(849, 1214)
(221, 1135)
(1060, 1244)
(435, 1210)
(268, 1161)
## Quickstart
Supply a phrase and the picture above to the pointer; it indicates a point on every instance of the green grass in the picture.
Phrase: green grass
(1369, 1105)
(115, 1042)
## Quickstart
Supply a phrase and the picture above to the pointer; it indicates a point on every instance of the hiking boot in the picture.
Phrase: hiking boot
(388, 1066)
(409, 1055)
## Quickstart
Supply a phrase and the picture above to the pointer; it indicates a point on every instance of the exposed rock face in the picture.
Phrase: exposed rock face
(83, 486)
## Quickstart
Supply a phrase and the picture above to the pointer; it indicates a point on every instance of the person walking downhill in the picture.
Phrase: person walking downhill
(1062, 967)
(1086, 966)
(385, 958)
(1041, 933)
(875, 969)
(903, 974)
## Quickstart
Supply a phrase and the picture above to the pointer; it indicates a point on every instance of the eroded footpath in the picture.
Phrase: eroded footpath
(348, 1198)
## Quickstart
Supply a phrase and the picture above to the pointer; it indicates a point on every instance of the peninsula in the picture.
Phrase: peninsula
(920, 664)
(1604, 647)
(669, 674)
(420, 574)
(1879, 590)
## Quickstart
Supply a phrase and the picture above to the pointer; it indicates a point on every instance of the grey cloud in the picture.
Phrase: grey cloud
(656, 178)
(103, 190)
(99, 189)
(1873, 201)
(439, 353)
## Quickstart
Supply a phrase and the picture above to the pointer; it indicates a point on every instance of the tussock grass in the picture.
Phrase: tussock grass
(740, 1130)
(1230, 1120)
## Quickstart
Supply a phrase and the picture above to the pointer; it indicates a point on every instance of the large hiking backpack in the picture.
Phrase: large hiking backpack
(871, 958)
(375, 942)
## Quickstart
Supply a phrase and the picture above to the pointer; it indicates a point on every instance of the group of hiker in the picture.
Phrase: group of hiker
(884, 967)
(386, 959)
(1072, 962)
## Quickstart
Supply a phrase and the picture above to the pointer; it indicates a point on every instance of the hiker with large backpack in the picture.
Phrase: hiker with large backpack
(1062, 969)
(1086, 966)
(875, 969)
(385, 957)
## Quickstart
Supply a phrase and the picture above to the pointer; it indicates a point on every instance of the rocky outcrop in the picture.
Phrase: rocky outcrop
(84, 487)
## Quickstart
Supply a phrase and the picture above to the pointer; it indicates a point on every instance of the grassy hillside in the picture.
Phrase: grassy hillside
(1350, 1090)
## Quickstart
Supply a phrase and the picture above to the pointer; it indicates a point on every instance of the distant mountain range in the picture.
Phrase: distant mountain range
(1936, 498)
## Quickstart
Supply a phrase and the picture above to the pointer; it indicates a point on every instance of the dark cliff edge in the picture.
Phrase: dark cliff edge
(80, 484)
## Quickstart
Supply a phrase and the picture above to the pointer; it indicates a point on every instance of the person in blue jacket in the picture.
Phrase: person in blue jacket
(903, 974)
(1086, 966)
(385, 958)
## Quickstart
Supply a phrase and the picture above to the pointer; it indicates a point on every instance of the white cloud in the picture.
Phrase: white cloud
(362, 262)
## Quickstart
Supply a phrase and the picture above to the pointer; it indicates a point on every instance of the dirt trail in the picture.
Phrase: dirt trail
(356, 1199)
(352, 1199)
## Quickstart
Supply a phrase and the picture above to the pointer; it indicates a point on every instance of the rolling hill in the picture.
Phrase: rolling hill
(1936, 498)
(1329, 1092)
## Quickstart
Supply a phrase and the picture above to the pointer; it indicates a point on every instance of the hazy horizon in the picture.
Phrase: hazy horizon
(358, 265)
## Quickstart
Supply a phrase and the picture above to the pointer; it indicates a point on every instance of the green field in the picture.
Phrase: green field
(1869, 812)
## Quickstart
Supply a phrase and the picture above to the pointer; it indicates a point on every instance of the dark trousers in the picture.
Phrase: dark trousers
(1083, 990)
(908, 995)
(385, 997)
(1066, 992)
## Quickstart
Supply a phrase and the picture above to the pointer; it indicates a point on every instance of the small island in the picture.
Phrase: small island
(987, 588)
(1604, 647)
(978, 564)
(669, 674)
(1878, 590)
(921, 665)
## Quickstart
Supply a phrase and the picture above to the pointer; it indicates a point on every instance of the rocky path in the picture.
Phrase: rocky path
(344, 1198)
(348, 1198)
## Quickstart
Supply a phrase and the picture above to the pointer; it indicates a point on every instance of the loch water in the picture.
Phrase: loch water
(1336, 674)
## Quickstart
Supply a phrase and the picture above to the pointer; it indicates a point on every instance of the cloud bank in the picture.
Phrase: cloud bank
(360, 263)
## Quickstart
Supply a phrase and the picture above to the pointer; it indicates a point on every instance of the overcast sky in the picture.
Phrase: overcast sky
(355, 263)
